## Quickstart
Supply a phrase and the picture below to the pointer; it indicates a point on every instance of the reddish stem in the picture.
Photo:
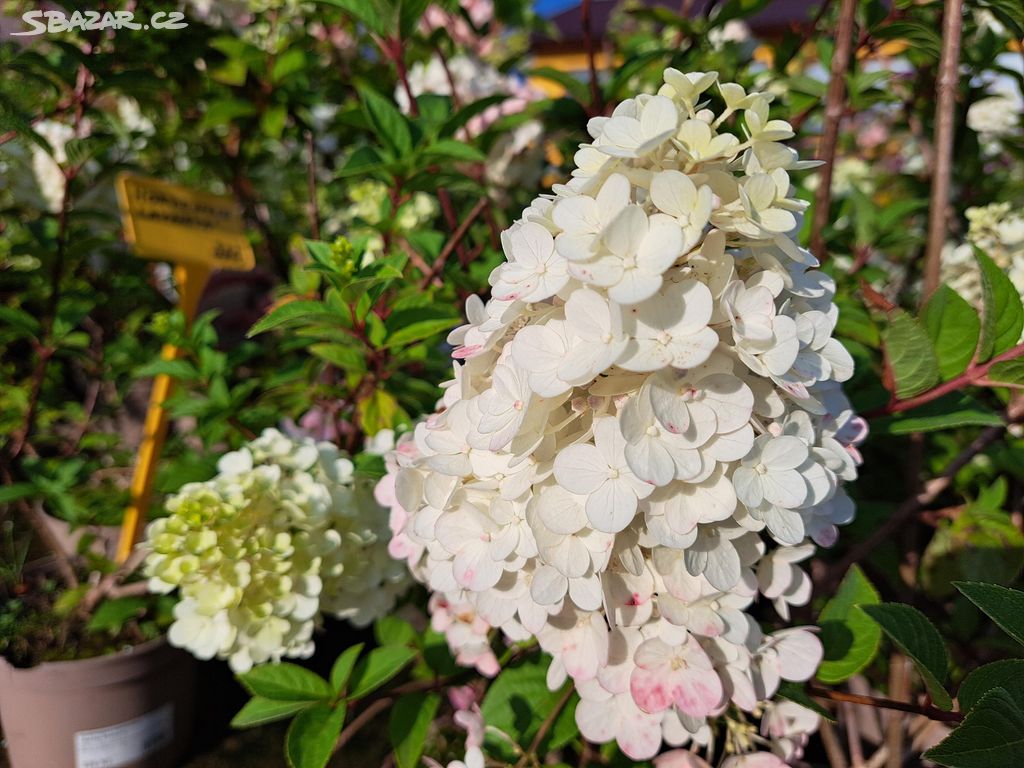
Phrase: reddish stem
(974, 375)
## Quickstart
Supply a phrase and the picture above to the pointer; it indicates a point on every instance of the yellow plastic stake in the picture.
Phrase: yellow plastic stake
(191, 279)
(198, 232)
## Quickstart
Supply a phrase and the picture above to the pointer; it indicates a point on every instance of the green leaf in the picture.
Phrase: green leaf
(69, 600)
(456, 150)
(368, 12)
(260, 711)
(379, 666)
(1003, 605)
(342, 356)
(948, 412)
(468, 112)
(361, 161)
(20, 320)
(1007, 674)
(111, 615)
(918, 638)
(954, 328)
(1009, 372)
(342, 668)
(176, 369)
(850, 638)
(991, 736)
(407, 725)
(287, 63)
(390, 124)
(272, 121)
(285, 682)
(312, 735)
(518, 701)
(1002, 318)
(379, 410)
(910, 354)
(391, 630)
(409, 14)
(9, 493)
(419, 331)
(289, 312)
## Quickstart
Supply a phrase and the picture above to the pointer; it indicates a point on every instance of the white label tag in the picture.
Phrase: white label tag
(125, 743)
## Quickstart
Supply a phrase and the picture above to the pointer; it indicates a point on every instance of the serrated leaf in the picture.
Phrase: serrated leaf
(379, 666)
(954, 327)
(991, 736)
(260, 711)
(1002, 318)
(285, 682)
(850, 638)
(1009, 372)
(1007, 674)
(389, 124)
(312, 735)
(910, 354)
(1003, 605)
(408, 723)
(915, 636)
(341, 670)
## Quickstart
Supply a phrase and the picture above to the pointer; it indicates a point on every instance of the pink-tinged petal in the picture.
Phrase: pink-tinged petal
(475, 570)
(653, 690)
(700, 692)
(639, 734)
(597, 720)
(680, 758)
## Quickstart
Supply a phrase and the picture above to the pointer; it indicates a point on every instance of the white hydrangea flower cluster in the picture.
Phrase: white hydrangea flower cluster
(645, 428)
(998, 230)
(284, 533)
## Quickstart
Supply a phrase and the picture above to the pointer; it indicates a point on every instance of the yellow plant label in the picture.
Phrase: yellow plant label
(173, 223)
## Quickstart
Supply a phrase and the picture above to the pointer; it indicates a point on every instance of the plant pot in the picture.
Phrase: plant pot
(132, 709)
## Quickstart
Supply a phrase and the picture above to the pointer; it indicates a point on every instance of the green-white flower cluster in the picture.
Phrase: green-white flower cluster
(284, 533)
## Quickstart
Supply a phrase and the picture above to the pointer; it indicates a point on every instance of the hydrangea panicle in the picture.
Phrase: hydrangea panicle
(284, 533)
(645, 434)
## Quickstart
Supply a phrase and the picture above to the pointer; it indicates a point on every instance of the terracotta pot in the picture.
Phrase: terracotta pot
(131, 709)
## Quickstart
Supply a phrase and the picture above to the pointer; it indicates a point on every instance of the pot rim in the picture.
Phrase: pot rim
(131, 662)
